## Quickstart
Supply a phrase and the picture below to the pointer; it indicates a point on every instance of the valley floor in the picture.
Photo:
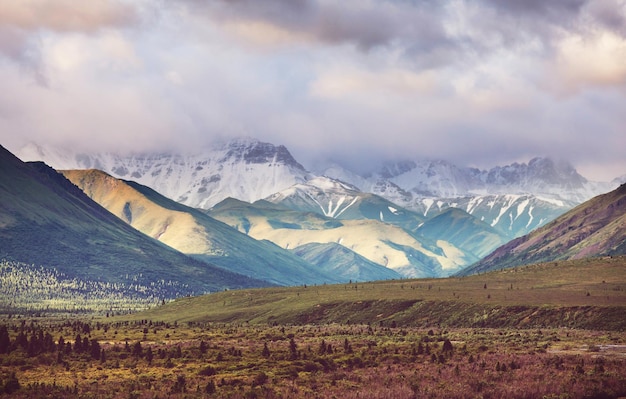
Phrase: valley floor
(144, 359)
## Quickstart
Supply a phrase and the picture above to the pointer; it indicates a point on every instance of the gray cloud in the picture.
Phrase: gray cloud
(480, 83)
(22, 24)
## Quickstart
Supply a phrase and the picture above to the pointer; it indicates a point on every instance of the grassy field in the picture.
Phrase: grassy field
(147, 360)
(496, 335)
(587, 293)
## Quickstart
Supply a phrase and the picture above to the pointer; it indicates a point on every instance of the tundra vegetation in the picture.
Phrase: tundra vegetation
(146, 359)
(545, 331)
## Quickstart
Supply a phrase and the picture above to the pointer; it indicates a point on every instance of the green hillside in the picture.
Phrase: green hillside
(46, 220)
(588, 293)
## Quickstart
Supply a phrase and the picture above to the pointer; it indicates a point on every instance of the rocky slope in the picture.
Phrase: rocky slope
(595, 228)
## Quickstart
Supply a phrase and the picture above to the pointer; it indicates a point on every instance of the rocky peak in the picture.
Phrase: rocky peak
(253, 151)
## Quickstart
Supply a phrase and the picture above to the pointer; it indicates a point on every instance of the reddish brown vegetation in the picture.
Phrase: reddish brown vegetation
(157, 360)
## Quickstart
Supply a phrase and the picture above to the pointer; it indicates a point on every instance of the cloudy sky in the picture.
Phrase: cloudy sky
(480, 83)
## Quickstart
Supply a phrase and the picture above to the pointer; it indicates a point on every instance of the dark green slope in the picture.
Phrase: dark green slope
(46, 220)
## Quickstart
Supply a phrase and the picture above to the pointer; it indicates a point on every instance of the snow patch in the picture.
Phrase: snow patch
(428, 202)
(552, 201)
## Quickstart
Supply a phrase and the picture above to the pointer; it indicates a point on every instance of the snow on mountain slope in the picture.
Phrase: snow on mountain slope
(512, 215)
(382, 243)
(595, 228)
(335, 199)
(244, 168)
(195, 233)
(515, 199)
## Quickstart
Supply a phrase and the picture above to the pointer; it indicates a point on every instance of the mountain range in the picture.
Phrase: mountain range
(324, 210)
(195, 233)
(47, 221)
(514, 199)
(410, 218)
(595, 228)
(246, 169)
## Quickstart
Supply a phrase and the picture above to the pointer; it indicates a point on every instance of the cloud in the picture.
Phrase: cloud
(476, 82)
(24, 22)
(66, 15)
(365, 24)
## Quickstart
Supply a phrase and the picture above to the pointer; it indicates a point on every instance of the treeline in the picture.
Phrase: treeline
(28, 289)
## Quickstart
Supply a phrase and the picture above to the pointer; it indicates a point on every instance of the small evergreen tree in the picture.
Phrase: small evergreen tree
(95, 349)
(266, 351)
(78, 344)
(137, 350)
(293, 349)
(210, 388)
(12, 384)
(5, 340)
(149, 355)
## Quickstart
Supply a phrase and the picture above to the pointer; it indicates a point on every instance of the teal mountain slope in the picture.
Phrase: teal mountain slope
(194, 232)
(341, 261)
(464, 231)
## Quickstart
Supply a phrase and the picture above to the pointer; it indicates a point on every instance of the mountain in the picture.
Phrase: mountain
(464, 231)
(243, 168)
(512, 215)
(540, 176)
(194, 232)
(595, 228)
(46, 220)
(344, 263)
(337, 200)
(515, 199)
(405, 252)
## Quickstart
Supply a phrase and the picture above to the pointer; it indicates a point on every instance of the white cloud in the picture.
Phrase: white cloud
(597, 60)
(479, 82)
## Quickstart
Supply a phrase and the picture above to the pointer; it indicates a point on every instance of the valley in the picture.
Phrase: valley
(316, 290)
(380, 199)
(494, 334)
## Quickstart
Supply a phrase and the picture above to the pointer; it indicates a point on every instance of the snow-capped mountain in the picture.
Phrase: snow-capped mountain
(515, 199)
(338, 200)
(243, 168)
(511, 214)
(442, 179)
(325, 210)
(407, 253)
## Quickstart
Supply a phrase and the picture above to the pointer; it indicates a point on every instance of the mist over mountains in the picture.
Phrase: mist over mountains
(416, 218)
(514, 199)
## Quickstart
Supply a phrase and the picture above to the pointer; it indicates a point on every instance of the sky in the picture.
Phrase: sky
(478, 83)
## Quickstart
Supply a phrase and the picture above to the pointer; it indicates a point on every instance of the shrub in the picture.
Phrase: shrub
(260, 379)
(208, 371)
